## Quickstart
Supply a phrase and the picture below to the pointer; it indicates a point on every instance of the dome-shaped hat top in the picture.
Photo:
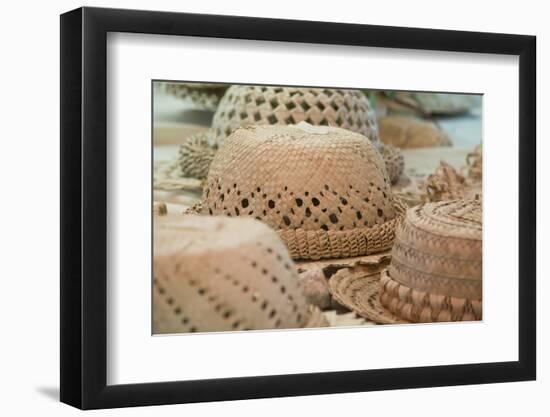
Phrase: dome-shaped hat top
(243, 105)
(436, 268)
(218, 274)
(300, 179)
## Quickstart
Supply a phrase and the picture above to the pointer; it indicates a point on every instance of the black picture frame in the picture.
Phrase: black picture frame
(84, 207)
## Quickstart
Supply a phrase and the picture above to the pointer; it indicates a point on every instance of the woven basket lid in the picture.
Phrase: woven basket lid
(221, 274)
(436, 268)
(324, 189)
(261, 105)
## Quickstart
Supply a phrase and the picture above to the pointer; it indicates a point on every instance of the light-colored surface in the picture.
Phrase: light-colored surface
(298, 351)
(168, 133)
(30, 356)
(424, 161)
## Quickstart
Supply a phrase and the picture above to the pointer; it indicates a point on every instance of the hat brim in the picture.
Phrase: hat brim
(358, 289)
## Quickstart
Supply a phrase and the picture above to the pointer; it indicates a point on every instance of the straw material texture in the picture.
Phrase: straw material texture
(195, 156)
(261, 105)
(358, 289)
(411, 132)
(202, 96)
(324, 189)
(436, 268)
(220, 274)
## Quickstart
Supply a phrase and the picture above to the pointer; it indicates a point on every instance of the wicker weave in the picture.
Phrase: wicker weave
(219, 274)
(436, 268)
(393, 158)
(358, 289)
(195, 156)
(324, 189)
(261, 105)
(245, 105)
(202, 96)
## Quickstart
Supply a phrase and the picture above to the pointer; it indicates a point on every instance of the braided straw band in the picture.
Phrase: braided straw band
(220, 274)
(422, 306)
(325, 190)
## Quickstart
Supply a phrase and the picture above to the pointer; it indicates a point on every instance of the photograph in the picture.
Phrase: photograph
(302, 207)
(264, 207)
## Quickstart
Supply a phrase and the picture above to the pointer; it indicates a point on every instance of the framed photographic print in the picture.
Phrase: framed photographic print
(258, 208)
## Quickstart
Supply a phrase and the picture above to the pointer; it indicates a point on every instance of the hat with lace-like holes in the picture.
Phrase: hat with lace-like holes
(324, 189)
(218, 274)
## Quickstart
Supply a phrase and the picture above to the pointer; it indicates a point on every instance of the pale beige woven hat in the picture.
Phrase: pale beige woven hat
(411, 132)
(220, 274)
(244, 105)
(435, 273)
(202, 96)
(324, 189)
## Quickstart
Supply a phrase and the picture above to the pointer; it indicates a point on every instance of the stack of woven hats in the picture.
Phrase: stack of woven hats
(261, 105)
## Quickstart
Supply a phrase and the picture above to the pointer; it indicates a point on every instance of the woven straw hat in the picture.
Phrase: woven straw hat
(324, 189)
(349, 109)
(358, 288)
(202, 96)
(411, 132)
(220, 274)
(245, 105)
(260, 105)
(435, 272)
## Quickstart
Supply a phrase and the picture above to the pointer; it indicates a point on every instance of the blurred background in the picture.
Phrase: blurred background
(434, 133)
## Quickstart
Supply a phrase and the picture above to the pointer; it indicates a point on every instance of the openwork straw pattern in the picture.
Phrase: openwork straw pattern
(202, 96)
(243, 106)
(219, 274)
(325, 190)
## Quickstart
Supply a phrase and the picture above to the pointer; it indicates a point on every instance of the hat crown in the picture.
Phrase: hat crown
(438, 248)
(219, 274)
(300, 177)
(262, 105)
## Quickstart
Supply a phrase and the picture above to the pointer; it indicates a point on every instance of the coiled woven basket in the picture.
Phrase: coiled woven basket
(436, 268)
